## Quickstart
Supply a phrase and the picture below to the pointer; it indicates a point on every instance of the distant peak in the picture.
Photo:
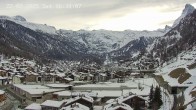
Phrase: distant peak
(167, 27)
(19, 18)
(188, 9)
(188, 6)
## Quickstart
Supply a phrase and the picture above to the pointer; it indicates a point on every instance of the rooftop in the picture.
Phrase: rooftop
(33, 106)
(52, 103)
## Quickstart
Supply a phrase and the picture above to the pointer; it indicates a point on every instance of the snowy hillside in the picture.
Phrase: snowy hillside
(36, 27)
(182, 60)
(103, 41)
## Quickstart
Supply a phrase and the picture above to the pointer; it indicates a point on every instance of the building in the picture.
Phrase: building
(133, 101)
(33, 106)
(81, 99)
(31, 77)
(117, 106)
(36, 93)
(3, 80)
(18, 79)
(52, 105)
(2, 97)
(75, 106)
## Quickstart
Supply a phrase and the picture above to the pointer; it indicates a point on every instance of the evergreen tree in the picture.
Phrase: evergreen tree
(157, 100)
(151, 96)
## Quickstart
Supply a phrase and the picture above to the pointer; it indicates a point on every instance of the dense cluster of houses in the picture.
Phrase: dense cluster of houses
(85, 102)
(17, 70)
(40, 84)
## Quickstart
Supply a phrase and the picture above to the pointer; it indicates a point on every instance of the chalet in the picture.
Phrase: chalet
(117, 106)
(102, 77)
(67, 80)
(36, 93)
(74, 76)
(75, 106)
(18, 79)
(3, 73)
(52, 105)
(48, 78)
(83, 76)
(31, 77)
(82, 99)
(5, 63)
(86, 76)
(135, 75)
(3, 80)
(133, 101)
(60, 78)
(2, 97)
(33, 106)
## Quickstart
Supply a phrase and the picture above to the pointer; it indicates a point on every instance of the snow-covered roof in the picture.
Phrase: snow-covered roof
(124, 98)
(76, 106)
(135, 73)
(102, 74)
(84, 97)
(59, 85)
(33, 106)
(69, 79)
(116, 105)
(52, 103)
(32, 73)
(91, 94)
(61, 74)
(36, 89)
(2, 78)
(2, 92)
(19, 76)
(75, 75)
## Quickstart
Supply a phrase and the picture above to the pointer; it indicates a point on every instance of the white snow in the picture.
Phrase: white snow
(2, 92)
(76, 106)
(33, 26)
(52, 103)
(33, 106)
(35, 89)
(187, 10)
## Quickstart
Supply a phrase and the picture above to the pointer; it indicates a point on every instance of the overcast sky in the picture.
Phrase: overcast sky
(97, 14)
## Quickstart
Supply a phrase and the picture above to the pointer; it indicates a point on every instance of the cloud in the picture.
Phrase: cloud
(62, 13)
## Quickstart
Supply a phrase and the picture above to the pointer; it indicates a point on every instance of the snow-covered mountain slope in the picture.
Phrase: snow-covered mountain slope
(36, 27)
(67, 43)
(128, 51)
(180, 72)
(103, 41)
(97, 41)
(183, 60)
(178, 39)
(187, 10)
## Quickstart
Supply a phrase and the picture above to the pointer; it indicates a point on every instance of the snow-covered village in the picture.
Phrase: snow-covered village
(100, 55)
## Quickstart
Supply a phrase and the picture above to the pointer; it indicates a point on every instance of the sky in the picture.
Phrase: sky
(117, 15)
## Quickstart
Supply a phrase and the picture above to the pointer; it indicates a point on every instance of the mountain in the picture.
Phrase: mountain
(132, 49)
(104, 41)
(33, 26)
(179, 39)
(43, 41)
(187, 10)
(40, 41)
(37, 44)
